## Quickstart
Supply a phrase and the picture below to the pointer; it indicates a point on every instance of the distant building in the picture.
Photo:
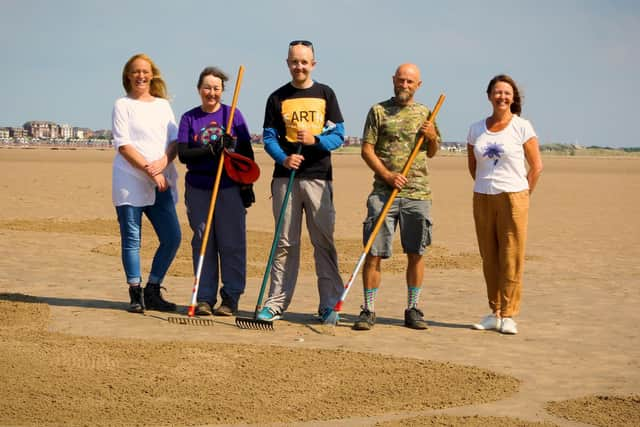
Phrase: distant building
(82, 133)
(4, 133)
(17, 132)
(351, 140)
(456, 147)
(102, 134)
(41, 129)
(66, 131)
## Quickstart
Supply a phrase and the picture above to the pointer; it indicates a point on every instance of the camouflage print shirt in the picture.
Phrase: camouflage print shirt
(393, 130)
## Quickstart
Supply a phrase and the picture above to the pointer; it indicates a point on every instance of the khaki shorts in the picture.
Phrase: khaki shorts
(413, 217)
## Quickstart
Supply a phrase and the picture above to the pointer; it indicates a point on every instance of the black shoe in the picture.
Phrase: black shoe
(365, 321)
(153, 299)
(413, 318)
(137, 304)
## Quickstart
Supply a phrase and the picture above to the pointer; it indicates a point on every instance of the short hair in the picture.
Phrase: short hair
(212, 71)
(306, 43)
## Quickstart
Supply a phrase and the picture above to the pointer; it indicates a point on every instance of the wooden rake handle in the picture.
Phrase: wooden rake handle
(216, 183)
(212, 203)
(405, 171)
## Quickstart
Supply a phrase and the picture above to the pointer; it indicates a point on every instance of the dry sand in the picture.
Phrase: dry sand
(70, 354)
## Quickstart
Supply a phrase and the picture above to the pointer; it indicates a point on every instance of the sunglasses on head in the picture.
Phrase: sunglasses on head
(306, 43)
(302, 42)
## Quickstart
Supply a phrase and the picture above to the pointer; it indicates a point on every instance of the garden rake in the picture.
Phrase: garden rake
(196, 283)
(332, 318)
(255, 323)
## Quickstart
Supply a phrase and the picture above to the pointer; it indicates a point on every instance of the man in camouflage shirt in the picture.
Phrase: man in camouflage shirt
(392, 129)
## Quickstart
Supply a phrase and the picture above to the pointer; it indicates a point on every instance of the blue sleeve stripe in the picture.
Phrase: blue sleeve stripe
(332, 139)
(271, 146)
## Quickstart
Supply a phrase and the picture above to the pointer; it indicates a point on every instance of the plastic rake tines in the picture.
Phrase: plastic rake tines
(246, 323)
(190, 321)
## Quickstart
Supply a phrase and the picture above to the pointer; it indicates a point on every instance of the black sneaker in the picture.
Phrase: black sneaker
(413, 318)
(365, 321)
(153, 299)
(137, 304)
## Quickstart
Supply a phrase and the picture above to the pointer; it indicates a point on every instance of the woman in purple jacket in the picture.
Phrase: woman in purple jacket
(201, 138)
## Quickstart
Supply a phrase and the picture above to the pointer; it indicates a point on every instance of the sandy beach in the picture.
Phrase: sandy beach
(71, 355)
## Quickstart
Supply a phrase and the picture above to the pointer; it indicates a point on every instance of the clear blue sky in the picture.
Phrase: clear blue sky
(577, 62)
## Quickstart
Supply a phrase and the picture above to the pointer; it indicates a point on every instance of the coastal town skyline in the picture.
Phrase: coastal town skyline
(39, 132)
(49, 131)
(576, 61)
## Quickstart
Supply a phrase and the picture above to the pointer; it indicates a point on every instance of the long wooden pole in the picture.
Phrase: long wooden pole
(214, 195)
(332, 318)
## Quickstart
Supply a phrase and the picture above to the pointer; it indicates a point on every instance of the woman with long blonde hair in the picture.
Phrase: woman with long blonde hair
(145, 178)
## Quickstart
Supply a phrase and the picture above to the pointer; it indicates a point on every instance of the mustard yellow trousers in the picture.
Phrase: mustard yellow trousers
(501, 227)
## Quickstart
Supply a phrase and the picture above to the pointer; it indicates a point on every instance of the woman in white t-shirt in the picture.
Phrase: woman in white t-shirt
(498, 148)
(145, 178)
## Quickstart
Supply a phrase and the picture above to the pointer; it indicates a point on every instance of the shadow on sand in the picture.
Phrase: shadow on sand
(346, 320)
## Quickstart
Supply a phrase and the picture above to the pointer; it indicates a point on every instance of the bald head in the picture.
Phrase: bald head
(406, 82)
(408, 69)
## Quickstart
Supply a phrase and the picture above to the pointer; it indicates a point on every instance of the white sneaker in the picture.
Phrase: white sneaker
(488, 323)
(508, 326)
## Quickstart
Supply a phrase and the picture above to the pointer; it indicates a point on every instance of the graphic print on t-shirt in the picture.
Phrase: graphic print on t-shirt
(210, 134)
(493, 151)
(303, 113)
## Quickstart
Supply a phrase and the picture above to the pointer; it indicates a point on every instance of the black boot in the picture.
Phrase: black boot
(137, 303)
(153, 299)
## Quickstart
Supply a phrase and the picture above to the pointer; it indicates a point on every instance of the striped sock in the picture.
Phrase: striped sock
(413, 295)
(370, 299)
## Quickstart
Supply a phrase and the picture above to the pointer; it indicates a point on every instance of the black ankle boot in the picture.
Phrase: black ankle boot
(137, 302)
(153, 299)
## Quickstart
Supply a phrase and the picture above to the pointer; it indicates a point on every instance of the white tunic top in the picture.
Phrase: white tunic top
(500, 159)
(149, 127)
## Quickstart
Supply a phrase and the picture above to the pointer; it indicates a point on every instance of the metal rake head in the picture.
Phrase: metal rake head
(192, 321)
(247, 323)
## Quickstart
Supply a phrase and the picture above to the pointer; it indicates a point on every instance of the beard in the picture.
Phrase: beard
(403, 95)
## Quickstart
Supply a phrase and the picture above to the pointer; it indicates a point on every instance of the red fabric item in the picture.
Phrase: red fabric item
(241, 169)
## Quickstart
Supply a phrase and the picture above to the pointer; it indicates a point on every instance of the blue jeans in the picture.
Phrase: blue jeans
(164, 219)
